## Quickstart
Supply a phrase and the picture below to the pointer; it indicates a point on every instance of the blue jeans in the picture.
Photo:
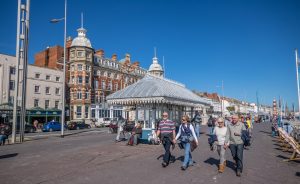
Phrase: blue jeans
(211, 130)
(2, 139)
(136, 137)
(197, 130)
(187, 155)
(237, 154)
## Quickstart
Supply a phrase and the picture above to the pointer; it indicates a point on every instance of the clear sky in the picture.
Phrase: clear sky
(249, 44)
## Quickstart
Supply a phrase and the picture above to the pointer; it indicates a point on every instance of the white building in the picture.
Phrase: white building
(43, 91)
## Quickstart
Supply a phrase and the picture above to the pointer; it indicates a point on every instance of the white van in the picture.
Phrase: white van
(102, 122)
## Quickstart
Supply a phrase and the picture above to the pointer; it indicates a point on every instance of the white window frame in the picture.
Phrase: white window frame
(78, 80)
(39, 91)
(47, 76)
(37, 102)
(78, 113)
(58, 91)
(56, 101)
(48, 104)
(39, 75)
(78, 95)
(79, 68)
(49, 93)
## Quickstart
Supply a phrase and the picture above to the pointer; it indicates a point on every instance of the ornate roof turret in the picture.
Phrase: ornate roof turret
(81, 39)
(155, 68)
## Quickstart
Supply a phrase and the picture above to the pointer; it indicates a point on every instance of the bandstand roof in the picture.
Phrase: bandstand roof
(151, 89)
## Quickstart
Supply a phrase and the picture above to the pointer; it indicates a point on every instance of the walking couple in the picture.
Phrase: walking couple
(186, 135)
(230, 136)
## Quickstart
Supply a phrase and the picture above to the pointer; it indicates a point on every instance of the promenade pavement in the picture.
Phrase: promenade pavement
(96, 158)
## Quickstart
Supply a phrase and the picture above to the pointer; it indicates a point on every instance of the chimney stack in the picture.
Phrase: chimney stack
(114, 57)
(100, 53)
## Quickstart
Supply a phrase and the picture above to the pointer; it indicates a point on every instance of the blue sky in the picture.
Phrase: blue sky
(247, 44)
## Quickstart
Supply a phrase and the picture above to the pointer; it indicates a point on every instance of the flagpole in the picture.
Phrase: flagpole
(296, 53)
(280, 111)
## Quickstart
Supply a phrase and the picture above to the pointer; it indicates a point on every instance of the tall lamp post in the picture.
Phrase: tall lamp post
(64, 68)
(222, 105)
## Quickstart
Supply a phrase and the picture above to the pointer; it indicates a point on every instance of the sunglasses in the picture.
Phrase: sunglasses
(220, 122)
(183, 119)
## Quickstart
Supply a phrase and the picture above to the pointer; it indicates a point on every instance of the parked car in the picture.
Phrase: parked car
(52, 126)
(29, 128)
(76, 125)
(103, 122)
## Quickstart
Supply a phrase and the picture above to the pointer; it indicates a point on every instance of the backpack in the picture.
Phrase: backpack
(246, 138)
(209, 123)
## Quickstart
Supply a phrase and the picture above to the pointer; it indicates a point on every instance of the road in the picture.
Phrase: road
(95, 158)
(43, 135)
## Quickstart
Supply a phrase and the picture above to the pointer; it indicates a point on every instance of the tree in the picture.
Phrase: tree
(231, 108)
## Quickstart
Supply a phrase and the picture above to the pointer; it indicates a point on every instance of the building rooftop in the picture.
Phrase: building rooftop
(81, 39)
(152, 89)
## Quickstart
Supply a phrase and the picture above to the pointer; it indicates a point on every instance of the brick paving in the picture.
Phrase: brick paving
(95, 158)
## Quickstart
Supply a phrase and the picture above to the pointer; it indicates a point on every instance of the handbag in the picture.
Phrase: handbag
(184, 139)
(193, 145)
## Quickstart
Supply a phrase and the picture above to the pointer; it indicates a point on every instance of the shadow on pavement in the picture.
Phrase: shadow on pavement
(181, 158)
(276, 144)
(297, 174)
(269, 133)
(213, 161)
(8, 155)
(75, 133)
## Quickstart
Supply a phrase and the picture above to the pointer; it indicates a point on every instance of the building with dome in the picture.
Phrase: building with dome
(91, 76)
(80, 81)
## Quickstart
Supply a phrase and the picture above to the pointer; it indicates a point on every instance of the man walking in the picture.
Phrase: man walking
(121, 122)
(235, 142)
(197, 120)
(166, 132)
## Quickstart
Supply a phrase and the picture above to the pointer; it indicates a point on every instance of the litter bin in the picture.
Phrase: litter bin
(145, 135)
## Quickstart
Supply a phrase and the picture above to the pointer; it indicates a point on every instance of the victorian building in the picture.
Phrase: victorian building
(92, 77)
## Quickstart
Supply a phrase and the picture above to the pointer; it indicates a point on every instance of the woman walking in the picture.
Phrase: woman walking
(220, 131)
(186, 134)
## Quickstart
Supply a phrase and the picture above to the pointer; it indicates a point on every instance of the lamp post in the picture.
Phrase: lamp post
(222, 105)
(64, 68)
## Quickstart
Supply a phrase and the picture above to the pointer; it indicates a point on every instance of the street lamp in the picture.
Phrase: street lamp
(64, 69)
(222, 105)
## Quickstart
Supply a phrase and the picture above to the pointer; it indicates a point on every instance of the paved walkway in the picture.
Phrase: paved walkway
(95, 158)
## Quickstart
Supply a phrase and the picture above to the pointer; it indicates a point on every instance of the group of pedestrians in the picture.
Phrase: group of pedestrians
(228, 132)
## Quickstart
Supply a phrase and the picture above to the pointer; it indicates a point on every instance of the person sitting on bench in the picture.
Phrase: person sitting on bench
(5, 131)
